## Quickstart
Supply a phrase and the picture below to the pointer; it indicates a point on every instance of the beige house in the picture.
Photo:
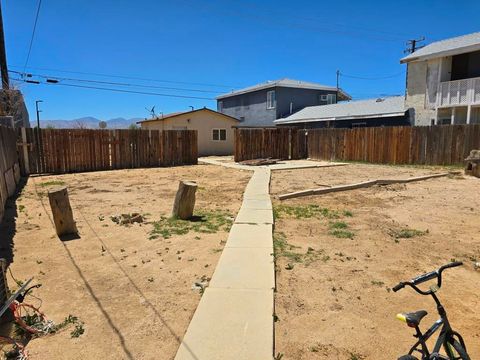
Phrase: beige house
(443, 82)
(215, 130)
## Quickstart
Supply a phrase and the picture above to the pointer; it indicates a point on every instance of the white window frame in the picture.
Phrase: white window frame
(323, 97)
(219, 134)
(271, 103)
(331, 99)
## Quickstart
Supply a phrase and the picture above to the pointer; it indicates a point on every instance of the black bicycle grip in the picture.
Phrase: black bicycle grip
(398, 287)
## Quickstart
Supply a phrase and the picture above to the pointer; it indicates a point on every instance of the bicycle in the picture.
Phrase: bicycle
(451, 341)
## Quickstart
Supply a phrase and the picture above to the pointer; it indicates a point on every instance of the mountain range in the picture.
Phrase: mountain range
(88, 122)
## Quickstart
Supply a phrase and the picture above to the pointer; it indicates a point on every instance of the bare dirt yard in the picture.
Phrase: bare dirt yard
(129, 285)
(339, 255)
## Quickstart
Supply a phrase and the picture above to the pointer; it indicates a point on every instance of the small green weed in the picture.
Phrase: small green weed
(21, 208)
(339, 230)
(377, 283)
(406, 233)
(347, 213)
(52, 183)
(208, 222)
(342, 234)
(338, 225)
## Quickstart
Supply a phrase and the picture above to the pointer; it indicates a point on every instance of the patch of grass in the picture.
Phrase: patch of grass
(377, 283)
(52, 183)
(281, 248)
(347, 213)
(406, 233)
(208, 222)
(21, 208)
(338, 225)
(304, 212)
(342, 234)
(339, 229)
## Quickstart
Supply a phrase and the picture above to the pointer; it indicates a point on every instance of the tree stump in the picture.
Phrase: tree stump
(62, 211)
(184, 200)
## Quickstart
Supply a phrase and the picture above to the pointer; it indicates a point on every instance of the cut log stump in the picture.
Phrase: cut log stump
(184, 200)
(62, 211)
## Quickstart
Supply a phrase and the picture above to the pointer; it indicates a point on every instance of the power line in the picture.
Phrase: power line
(49, 79)
(372, 78)
(33, 35)
(115, 90)
(128, 77)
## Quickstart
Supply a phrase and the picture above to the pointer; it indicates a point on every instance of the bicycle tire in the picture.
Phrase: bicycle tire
(462, 353)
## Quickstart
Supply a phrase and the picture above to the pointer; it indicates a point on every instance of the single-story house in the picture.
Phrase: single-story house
(215, 130)
(388, 111)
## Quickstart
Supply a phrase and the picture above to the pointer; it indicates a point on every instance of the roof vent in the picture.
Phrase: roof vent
(379, 100)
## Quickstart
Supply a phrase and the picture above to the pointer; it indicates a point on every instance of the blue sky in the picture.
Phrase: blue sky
(225, 43)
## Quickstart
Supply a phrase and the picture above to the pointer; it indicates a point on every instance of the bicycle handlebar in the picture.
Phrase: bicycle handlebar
(425, 277)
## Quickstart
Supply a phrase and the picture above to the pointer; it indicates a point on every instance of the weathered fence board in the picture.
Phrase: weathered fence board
(278, 143)
(75, 150)
(9, 174)
(434, 145)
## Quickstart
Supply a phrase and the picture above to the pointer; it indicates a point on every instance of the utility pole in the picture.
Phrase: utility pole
(338, 77)
(3, 56)
(413, 45)
(38, 112)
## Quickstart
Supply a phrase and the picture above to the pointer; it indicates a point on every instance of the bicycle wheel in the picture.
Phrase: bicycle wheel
(456, 351)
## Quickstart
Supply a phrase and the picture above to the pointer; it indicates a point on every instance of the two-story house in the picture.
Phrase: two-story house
(261, 104)
(443, 82)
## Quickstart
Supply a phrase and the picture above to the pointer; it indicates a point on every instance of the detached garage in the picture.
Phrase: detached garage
(215, 130)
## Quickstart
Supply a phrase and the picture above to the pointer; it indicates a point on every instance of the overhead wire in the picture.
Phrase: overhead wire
(49, 77)
(118, 90)
(33, 34)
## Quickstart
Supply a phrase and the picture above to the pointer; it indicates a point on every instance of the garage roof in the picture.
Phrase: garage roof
(359, 109)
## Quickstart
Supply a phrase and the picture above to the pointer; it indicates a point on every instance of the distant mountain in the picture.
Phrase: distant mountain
(88, 122)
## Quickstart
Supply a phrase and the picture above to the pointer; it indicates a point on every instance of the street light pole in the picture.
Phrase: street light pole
(38, 112)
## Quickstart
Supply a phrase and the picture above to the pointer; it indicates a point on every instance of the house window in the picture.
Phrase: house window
(323, 97)
(219, 134)
(331, 99)
(220, 106)
(271, 99)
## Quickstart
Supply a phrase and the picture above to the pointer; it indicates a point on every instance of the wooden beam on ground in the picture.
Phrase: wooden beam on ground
(360, 185)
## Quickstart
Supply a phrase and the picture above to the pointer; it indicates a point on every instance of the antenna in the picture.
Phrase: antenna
(151, 111)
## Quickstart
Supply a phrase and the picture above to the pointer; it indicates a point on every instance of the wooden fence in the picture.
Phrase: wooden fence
(430, 145)
(9, 167)
(277, 143)
(75, 150)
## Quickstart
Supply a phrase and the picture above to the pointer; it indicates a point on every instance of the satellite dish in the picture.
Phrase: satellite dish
(102, 124)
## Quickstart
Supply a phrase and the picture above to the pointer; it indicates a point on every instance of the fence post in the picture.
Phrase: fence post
(26, 161)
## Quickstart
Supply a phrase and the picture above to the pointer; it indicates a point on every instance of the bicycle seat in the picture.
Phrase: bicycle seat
(412, 319)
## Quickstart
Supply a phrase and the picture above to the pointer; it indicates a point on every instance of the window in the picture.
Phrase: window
(323, 97)
(331, 99)
(219, 134)
(220, 106)
(271, 99)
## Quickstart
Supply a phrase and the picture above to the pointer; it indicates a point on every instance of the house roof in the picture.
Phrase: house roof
(448, 47)
(284, 83)
(174, 114)
(359, 109)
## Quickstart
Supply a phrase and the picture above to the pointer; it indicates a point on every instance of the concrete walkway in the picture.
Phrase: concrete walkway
(234, 319)
(227, 161)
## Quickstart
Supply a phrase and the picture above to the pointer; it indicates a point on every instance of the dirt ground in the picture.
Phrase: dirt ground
(334, 298)
(133, 291)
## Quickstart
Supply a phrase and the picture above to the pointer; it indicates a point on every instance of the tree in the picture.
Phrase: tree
(79, 124)
(133, 127)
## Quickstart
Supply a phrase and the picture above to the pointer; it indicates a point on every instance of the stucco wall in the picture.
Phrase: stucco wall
(204, 122)
(416, 97)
